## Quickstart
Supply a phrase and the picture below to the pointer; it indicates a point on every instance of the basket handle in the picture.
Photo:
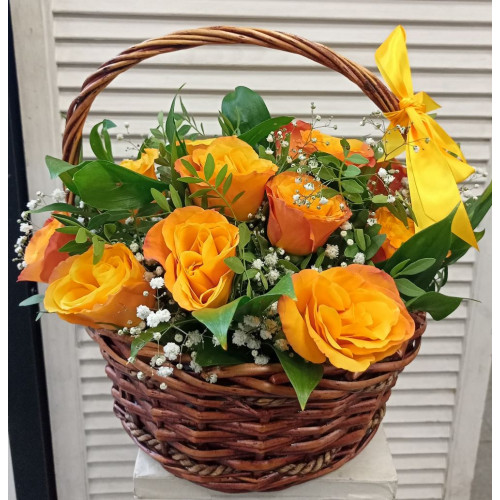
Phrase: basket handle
(216, 35)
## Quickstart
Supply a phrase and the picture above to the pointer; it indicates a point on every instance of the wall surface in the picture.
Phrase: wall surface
(450, 53)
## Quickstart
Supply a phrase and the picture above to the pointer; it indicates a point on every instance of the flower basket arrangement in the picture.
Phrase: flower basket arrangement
(255, 295)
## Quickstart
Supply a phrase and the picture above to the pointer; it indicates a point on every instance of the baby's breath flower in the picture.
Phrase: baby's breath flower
(273, 275)
(309, 186)
(25, 227)
(159, 271)
(281, 344)
(139, 257)
(32, 204)
(359, 258)
(163, 386)
(140, 375)
(157, 283)
(145, 293)
(252, 321)
(269, 151)
(261, 359)
(343, 264)
(271, 259)
(350, 242)
(171, 351)
(157, 336)
(153, 320)
(257, 264)
(270, 138)
(165, 371)
(163, 315)
(178, 337)
(343, 234)
(332, 251)
(58, 195)
(346, 226)
(194, 365)
(391, 199)
(212, 378)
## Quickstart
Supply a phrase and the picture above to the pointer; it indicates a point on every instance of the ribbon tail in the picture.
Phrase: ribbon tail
(433, 190)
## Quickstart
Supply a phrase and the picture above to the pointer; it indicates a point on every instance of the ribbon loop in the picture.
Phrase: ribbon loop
(434, 161)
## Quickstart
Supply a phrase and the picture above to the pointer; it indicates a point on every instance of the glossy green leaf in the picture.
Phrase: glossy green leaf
(262, 130)
(245, 109)
(357, 159)
(406, 287)
(245, 235)
(98, 245)
(160, 199)
(107, 186)
(431, 242)
(100, 142)
(81, 235)
(439, 306)
(210, 355)
(351, 186)
(304, 376)
(257, 305)
(418, 266)
(218, 319)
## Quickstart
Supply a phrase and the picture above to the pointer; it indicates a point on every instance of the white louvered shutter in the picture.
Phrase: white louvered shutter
(449, 44)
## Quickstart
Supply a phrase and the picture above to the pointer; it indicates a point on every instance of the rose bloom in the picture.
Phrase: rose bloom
(145, 165)
(108, 292)
(249, 174)
(352, 316)
(199, 143)
(42, 253)
(310, 141)
(299, 229)
(191, 244)
(397, 233)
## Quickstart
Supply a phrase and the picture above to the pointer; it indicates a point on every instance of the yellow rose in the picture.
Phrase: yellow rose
(249, 174)
(191, 244)
(353, 316)
(93, 295)
(145, 165)
(199, 143)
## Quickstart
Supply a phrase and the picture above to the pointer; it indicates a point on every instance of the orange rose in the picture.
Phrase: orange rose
(199, 143)
(191, 244)
(353, 316)
(296, 140)
(310, 141)
(297, 228)
(93, 295)
(249, 174)
(42, 253)
(397, 233)
(145, 165)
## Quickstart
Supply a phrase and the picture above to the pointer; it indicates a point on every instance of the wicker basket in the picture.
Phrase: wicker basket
(245, 433)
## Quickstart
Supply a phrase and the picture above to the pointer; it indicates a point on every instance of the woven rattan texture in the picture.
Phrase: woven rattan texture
(246, 432)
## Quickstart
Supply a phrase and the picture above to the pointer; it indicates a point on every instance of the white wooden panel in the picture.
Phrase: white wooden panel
(449, 43)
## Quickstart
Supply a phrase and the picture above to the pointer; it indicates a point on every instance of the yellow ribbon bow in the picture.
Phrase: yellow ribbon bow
(434, 161)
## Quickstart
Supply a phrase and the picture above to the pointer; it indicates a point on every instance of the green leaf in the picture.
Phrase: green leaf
(174, 195)
(74, 248)
(329, 193)
(58, 207)
(418, 266)
(68, 229)
(379, 198)
(218, 319)
(109, 230)
(237, 197)
(190, 168)
(357, 159)
(406, 287)
(57, 167)
(139, 342)
(245, 109)
(351, 251)
(395, 270)
(227, 183)
(351, 186)
(235, 264)
(66, 220)
(376, 243)
(289, 265)
(190, 180)
(111, 216)
(303, 376)
(439, 306)
(34, 299)
(98, 245)
(257, 133)
(359, 237)
(208, 169)
(351, 171)
(160, 199)
(257, 305)
(210, 355)
(81, 235)
(107, 186)
(99, 142)
(245, 235)
(431, 242)
(221, 175)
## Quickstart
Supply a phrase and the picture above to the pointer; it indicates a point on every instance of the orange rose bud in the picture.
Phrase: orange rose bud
(297, 228)
(249, 174)
(352, 316)
(42, 253)
(397, 233)
(108, 292)
(191, 244)
(145, 165)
